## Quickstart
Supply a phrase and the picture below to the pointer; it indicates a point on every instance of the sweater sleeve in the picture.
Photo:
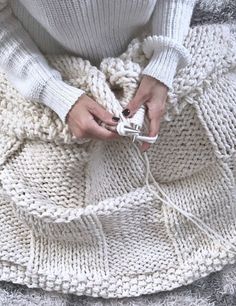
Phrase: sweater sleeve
(27, 69)
(164, 48)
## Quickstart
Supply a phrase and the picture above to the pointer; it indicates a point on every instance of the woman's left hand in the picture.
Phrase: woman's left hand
(153, 93)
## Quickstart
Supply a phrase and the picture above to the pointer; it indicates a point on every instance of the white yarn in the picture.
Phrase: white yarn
(198, 222)
(138, 117)
(161, 42)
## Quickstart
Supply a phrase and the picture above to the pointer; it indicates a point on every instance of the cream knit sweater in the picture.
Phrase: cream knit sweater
(91, 29)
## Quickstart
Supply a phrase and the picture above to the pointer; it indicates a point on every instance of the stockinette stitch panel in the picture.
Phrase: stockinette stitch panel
(76, 216)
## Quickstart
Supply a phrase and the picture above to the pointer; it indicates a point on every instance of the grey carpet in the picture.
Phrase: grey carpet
(217, 289)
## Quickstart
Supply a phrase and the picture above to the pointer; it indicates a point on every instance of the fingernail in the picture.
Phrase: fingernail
(115, 118)
(126, 112)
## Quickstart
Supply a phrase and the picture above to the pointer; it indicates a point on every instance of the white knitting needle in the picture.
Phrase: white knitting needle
(146, 138)
(125, 130)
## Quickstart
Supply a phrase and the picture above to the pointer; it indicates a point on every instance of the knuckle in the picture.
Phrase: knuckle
(157, 111)
(143, 93)
(106, 116)
(92, 107)
(134, 106)
(83, 127)
(113, 135)
(153, 132)
(162, 111)
(110, 136)
(80, 134)
(89, 130)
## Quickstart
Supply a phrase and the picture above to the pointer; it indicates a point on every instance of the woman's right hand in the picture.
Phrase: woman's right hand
(83, 118)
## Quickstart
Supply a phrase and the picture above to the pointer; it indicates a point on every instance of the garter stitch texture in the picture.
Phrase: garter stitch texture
(76, 215)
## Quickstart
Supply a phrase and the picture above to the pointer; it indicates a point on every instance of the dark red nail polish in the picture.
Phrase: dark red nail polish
(126, 112)
(115, 118)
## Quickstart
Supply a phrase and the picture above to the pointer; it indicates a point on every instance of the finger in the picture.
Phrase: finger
(144, 146)
(134, 105)
(101, 113)
(154, 127)
(98, 132)
(109, 127)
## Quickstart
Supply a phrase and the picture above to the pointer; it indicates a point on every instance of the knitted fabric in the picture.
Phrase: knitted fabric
(76, 215)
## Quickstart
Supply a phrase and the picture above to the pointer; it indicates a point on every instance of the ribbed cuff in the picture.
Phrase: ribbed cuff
(171, 18)
(60, 97)
(163, 66)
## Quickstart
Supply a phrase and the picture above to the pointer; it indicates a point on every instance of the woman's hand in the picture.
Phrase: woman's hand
(154, 94)
(83, 120)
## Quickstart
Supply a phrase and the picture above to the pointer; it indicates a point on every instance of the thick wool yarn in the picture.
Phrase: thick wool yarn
(76, 215)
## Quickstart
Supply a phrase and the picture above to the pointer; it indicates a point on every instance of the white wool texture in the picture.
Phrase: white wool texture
(213, 4)
(76, 215)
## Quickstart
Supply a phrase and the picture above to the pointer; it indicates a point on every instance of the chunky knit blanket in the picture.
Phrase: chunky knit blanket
(76, 215)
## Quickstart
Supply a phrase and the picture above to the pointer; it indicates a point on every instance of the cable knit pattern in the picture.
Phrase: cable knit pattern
(76, 217)
(93, 30)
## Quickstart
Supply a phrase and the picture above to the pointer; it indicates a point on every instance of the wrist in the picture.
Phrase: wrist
(60, 97)
(72, 108)
(163, 66)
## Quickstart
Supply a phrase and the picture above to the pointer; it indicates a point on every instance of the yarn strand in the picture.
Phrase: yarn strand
(198, 222)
